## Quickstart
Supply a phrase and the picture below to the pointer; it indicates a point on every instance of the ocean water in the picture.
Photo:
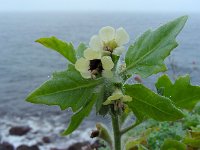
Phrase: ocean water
(24, 64)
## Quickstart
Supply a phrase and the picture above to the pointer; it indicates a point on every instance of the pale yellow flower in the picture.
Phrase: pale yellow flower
(107, 65)
(91, 54)
(97, 59)
(83, 65)
(110, 40)
(87, 67)
(117, 96)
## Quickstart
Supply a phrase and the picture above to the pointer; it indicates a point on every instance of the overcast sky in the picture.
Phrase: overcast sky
(101, 5)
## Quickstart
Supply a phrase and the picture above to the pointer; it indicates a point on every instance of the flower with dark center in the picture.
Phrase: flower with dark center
(109, 41)
(94, 67)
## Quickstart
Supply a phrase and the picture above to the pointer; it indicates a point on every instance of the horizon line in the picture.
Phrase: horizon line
(95, 11)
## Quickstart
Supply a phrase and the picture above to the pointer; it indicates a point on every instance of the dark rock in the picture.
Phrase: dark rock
(57, 149)
(19, 131)
(40, 143)
(46, 139)
(83, 146)
(97, 144)
(25, 147)
(79, 146)
(6, 146)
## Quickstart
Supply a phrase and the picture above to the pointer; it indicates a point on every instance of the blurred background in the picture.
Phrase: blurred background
(24, 64)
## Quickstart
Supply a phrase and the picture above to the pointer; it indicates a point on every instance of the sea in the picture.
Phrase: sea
(25, 64)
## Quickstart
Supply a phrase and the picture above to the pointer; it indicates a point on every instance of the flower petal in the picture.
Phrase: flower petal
(117, 91)
(107, 102)
(107, 33)
(126, 98)
(82, 65)
(90, 54)
(115, 97)
(96, 43)
(86, 75)
(107, 62)
(112, 98)
(119, 50)
(105, 53)
(107, 73)
(121, 37)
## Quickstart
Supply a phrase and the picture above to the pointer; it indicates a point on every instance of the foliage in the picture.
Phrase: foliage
(65, 49)
(145, 57)
(183, 133)
(182, 93)
(96, 76)
(159, 108)
(166, 131)
(173, 144)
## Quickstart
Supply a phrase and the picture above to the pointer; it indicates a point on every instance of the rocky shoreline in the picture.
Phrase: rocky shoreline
(46, 142)
(76, 146)
(43, 133)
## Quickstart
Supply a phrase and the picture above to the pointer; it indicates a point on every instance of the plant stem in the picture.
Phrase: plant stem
(129, 128)
(116, 131)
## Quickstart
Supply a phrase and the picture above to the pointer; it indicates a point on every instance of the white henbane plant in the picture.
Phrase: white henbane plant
(96, 76)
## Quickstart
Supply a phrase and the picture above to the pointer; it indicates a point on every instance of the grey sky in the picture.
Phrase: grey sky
(101, 5)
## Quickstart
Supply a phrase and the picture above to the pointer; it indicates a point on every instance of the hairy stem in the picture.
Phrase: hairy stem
(129, 128)
(116, 131)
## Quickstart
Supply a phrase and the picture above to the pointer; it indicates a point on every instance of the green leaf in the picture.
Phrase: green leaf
(194, 142)
(192, 138)
(80, 50)
(65, 49)
(145, 57)
(103, 110)
(78, 117)
(65, 89)
(173, 145)
(140, 116)
(99, 102)
(135, 144)
(182, 93)
(106, 90)
(149, 104)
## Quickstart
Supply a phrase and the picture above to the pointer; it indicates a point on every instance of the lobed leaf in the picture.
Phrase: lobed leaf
(80, 50)
(65, 49)
(149, 104)
(78, 117)
(65, 89)
(146, 56)
(182, 93)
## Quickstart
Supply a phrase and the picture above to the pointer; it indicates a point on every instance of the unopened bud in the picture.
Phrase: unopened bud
(94, 134)
(138, 79)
